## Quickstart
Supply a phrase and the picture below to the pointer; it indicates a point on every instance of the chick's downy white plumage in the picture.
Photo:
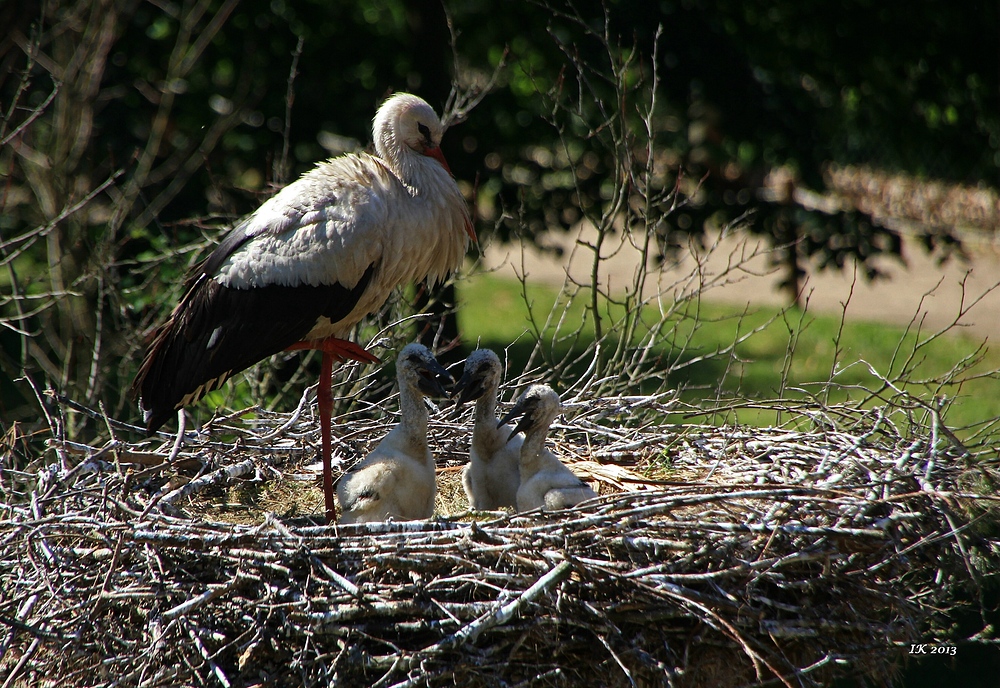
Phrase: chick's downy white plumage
(492, 476)
(397, 478)
(545, 480)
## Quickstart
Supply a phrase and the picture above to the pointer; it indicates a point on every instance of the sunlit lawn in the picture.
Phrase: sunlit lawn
(493, 312)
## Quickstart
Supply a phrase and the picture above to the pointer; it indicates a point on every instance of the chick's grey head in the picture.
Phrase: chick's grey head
(536, 408)
(417, 368)
(481, 374)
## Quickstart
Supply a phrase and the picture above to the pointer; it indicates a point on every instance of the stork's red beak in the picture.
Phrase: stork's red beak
(439, 156)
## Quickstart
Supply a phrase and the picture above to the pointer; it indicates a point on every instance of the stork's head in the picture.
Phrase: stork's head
(406, 123)
(481, 375)
(417, 368)
(537, 408)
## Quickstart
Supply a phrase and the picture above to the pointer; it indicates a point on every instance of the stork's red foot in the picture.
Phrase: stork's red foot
(337, 349)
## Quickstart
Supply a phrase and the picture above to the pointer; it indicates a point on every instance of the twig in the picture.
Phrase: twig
(199, 600)
(221, 476)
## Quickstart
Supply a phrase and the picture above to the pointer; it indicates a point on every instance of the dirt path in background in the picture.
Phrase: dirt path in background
(920, 288)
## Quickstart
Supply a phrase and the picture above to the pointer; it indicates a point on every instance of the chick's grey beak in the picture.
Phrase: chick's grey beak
(468, 388)
(511, 415)
(522, 425)
(435, 380)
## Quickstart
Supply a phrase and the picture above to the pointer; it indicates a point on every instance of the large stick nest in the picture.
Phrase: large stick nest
(750, 556)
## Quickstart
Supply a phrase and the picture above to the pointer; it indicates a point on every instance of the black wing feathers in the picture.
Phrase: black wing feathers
(216, 332)
(232, 241)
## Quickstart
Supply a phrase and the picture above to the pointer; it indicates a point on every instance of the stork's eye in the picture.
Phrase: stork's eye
(424, 131)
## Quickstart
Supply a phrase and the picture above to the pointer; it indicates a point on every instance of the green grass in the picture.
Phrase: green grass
(800, 348)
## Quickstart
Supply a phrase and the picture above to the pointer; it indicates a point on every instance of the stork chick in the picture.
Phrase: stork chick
(397, 478)
(545, 480)
(492, 476)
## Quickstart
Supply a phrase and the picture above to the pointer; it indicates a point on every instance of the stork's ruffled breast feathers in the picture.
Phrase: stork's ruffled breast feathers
(401, 212)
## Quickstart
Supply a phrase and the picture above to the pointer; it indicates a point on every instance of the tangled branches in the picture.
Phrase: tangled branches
(756, 556)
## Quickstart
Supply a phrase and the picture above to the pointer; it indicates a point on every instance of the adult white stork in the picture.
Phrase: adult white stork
(310, 263)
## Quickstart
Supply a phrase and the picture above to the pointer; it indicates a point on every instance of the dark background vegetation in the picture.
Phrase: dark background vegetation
(133, 133)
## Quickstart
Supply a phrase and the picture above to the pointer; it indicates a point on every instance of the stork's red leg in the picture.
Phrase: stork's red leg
(333, 349)
(324, 399)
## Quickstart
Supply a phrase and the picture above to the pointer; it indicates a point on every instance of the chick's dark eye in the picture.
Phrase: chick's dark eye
(424, 131)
